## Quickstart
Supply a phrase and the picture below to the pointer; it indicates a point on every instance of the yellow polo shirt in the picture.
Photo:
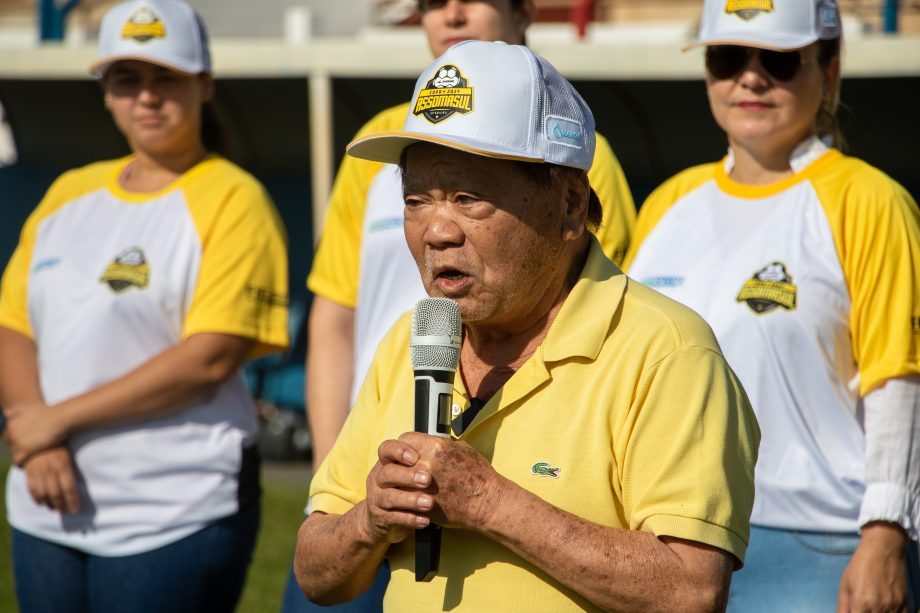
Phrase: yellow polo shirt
(627, 415)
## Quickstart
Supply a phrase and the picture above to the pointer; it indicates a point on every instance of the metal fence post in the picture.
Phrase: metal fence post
(891, 16)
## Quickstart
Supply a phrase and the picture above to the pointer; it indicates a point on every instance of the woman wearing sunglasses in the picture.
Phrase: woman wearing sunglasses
(805, 263)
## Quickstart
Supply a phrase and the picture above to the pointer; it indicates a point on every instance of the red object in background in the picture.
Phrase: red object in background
(582, 13)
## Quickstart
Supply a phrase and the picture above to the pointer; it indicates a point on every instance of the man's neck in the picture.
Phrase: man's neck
(490, 355)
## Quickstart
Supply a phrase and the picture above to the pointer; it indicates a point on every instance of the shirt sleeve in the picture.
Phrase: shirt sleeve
(14, 307)
(340, 481)
(660, 201)
(879, 243)
(337, 261)
(691, 444)
(609, 183)
(14, 287)
(242, 280)
(893, 455)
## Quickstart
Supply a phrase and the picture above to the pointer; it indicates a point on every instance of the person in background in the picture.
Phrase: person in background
(804, 261)
(138, 289)
(363, 276)
(600, 452)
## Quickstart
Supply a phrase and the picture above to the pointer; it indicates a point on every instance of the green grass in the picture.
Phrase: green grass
(282, 512)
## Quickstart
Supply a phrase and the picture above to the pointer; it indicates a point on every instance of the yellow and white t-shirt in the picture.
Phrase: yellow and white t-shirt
(812, 288)
(363, 261)
(627, 415)
(102, 281)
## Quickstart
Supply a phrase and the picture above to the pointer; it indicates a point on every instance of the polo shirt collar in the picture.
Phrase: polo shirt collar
(579, 330)
(582, 324)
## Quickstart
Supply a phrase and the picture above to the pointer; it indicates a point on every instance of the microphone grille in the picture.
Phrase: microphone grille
(436, 317)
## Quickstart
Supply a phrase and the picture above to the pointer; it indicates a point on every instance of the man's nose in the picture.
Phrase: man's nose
(442, 229)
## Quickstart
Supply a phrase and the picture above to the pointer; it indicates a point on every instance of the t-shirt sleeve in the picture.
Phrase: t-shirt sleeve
(242, 286)
(14, 287)
(609, 183)
(14, 307)
(337, 261)
(688, 451)
(340, 482)
(660, 201)
(880, 253)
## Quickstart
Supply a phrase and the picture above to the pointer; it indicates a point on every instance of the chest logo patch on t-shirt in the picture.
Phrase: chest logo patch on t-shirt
(769, 288)
(128, 269)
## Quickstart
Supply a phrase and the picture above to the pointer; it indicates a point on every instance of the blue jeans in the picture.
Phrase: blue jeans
(794, 571)
(370, 601)
(203, 572)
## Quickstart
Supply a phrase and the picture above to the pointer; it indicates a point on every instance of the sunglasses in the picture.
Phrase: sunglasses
(726, 61)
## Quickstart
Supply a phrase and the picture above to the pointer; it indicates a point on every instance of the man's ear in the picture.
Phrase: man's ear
(576, 191)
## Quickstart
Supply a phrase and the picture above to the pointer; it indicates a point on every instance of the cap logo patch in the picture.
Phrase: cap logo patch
(445, 94)
(564, 131)
(748, 9)
(143, 25)
(128, 269)
(769, 288)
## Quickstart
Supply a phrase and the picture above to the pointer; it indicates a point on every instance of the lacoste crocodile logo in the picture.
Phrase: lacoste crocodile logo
(543, 469)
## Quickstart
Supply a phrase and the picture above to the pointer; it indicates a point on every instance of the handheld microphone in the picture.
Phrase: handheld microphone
(434, 346)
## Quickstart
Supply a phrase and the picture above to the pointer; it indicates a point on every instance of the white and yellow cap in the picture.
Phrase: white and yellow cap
(769, 24)
(164, 32)
(495, 100)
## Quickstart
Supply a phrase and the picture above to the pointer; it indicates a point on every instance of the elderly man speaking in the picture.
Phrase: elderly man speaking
(601, 453)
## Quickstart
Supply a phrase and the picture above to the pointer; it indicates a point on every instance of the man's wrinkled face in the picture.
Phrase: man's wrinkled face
(483, 233)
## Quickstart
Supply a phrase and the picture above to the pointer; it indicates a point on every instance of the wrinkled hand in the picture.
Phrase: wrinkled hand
(875, 579)
(395, 504)
(466, 490)
(32, 428)
(52, 481)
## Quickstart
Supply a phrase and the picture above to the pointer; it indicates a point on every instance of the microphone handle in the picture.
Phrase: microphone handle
(433, 396)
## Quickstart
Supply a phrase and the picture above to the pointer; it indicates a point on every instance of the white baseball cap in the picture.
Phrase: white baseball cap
(769, 24)
(164, 32)
(495, 100)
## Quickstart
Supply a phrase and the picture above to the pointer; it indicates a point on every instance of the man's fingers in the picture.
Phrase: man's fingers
(399, 476)
(392, 499)
(397, 452)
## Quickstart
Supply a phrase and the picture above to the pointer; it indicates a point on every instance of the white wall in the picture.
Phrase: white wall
(265, 18)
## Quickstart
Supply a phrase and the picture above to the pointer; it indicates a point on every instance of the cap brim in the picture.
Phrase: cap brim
(772, 41)
(387, 147)
(98, 68)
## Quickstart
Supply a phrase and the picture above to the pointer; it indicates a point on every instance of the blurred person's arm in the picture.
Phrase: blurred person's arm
(330, 373)
(174, 379)
(50, 475)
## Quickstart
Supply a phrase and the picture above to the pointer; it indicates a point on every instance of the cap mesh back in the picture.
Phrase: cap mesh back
(561, 99)
(435, 317)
